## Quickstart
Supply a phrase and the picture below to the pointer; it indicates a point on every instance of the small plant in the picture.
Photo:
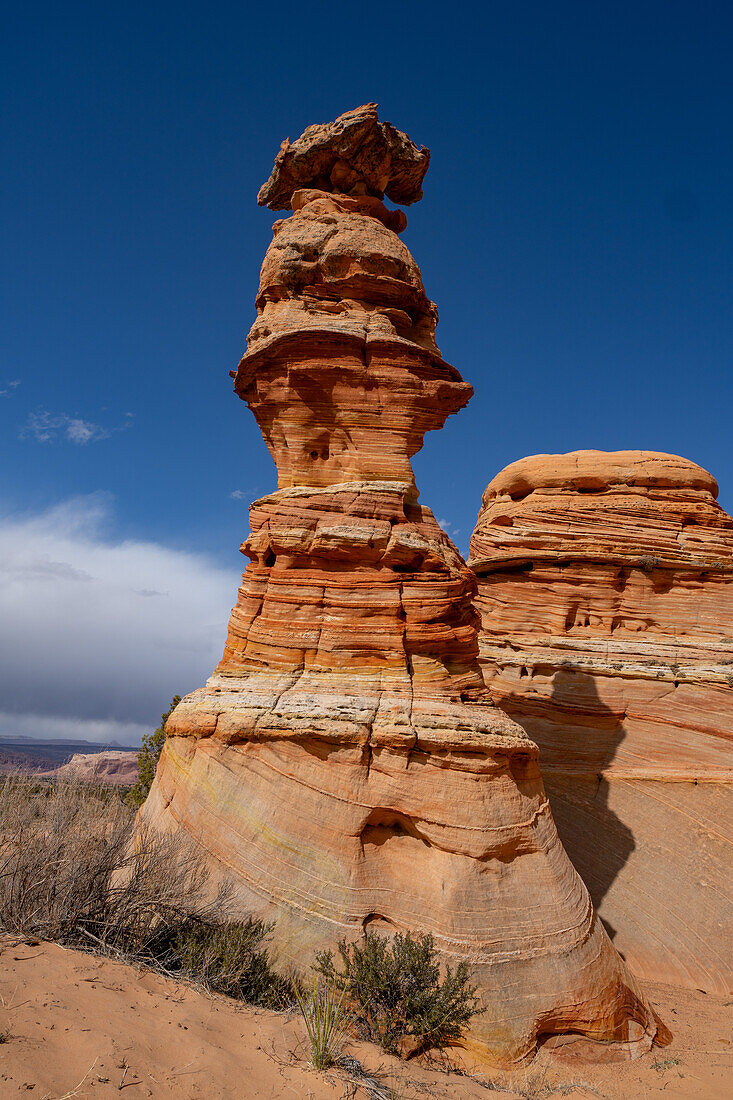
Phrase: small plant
(148, 757)
(326, 1020)
(660, 1066)
(5, 1035)
(401, 1002)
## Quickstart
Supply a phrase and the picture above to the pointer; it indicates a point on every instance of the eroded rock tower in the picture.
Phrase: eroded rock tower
(344, 766)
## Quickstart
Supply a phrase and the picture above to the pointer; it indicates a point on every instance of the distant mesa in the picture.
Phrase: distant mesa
(22, 755)
(110, 767)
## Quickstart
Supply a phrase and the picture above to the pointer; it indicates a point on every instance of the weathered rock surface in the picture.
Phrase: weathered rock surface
(356, 154)
(344, 766)
(606, 601)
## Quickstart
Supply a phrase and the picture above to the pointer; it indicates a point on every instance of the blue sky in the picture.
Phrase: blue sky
(576, 234)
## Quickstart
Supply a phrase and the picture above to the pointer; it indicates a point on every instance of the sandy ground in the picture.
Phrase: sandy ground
(81, 1026)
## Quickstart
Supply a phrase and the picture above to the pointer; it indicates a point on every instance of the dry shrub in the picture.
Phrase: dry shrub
(68, 869)
(70, 872)
(58, 846)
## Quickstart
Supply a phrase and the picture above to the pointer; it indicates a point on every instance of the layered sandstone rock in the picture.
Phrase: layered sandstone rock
(606, 601)
(344, 767)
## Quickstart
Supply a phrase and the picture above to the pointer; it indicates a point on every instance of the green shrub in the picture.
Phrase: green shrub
(230, 959)
(399, 998)
(148, 757)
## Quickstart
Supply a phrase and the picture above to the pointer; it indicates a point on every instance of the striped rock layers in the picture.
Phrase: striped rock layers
(344, 767)
(606, 600)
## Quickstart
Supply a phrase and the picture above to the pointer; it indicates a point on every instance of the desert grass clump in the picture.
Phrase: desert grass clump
(400, 1000)
(326, 1021)
(72, 871)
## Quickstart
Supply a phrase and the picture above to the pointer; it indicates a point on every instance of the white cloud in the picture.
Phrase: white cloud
(252, 492)
(448, 527)
(98, 634)
(46, 427)
(8, 388)
(83, 431)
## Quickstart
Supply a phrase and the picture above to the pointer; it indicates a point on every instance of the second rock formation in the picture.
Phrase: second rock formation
(606, 600)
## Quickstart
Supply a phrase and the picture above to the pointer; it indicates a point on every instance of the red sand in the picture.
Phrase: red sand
(76, 1021)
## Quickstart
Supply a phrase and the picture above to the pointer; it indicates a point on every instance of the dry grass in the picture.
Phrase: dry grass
(532, 1083)
(75, 1091)
(70, 872)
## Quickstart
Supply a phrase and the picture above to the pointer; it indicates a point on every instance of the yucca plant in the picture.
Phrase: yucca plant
(326, 1021)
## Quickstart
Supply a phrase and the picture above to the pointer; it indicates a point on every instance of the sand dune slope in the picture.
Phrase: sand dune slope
(77, 1020)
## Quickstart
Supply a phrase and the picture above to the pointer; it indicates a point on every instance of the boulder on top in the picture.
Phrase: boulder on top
(357, 154)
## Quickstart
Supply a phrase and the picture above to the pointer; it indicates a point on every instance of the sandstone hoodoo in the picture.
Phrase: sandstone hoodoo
(344, 766)
(606, 601)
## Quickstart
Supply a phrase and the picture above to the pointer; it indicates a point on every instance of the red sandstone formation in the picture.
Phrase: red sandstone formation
(606, 600)
(344, 766)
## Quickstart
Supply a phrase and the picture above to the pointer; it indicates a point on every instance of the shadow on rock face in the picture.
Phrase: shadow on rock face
(579, 737)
